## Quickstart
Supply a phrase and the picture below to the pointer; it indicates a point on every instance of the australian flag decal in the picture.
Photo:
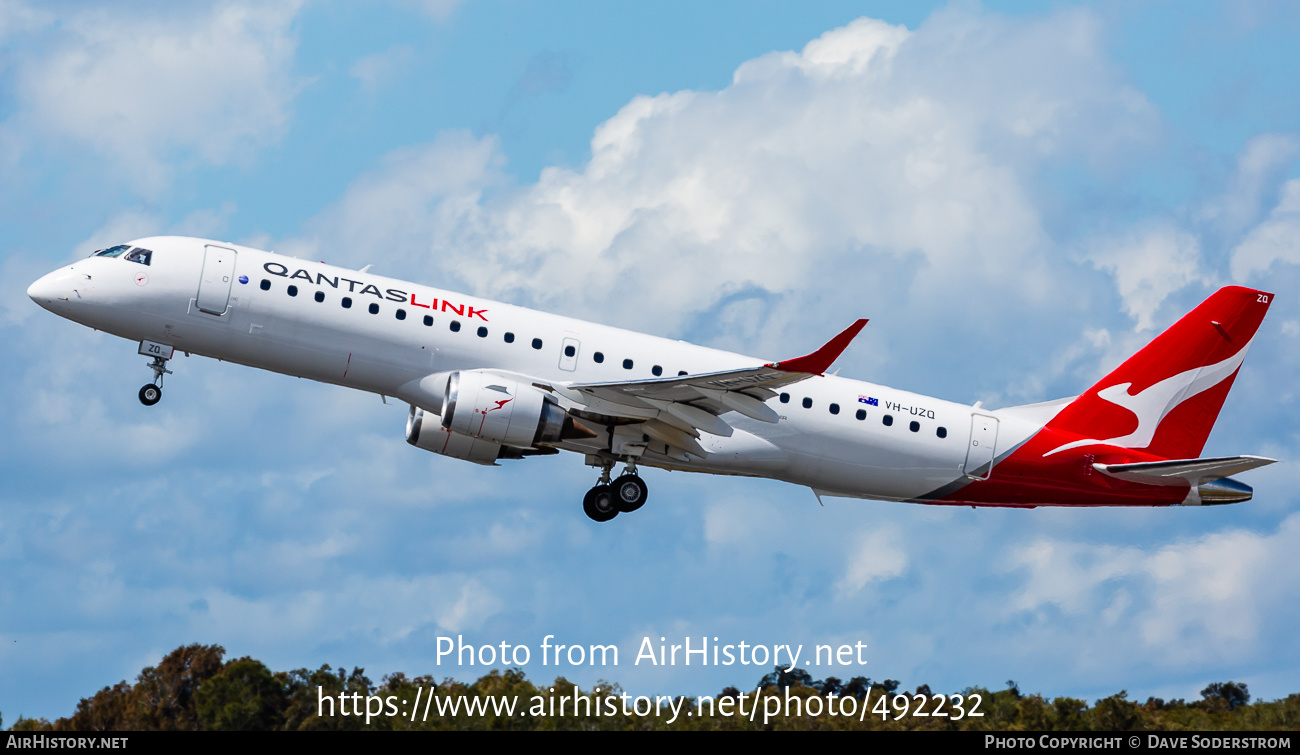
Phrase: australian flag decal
(868, 400)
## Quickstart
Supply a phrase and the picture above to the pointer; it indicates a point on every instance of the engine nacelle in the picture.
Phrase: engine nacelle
(503, 411)
(425, 430)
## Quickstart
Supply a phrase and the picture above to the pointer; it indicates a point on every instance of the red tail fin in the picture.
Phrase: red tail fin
(1165, 398)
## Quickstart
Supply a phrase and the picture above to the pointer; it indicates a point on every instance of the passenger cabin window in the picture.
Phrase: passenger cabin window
(785, 398)
(320, 296)
(915, 426)
(537, 343)
(681, 372)
(482, 332)
(888, 420)
(510, 337)
(942, 432)
(598, 357)
(374, 309)
(428, 321)
(266, 285)
(401, 313)
(656, 370)
(455, 326)
(862, 414)
(627, 364)
(292, 290)
(139, 255)
(569, 350)
(346, 302)
(807, 403)
(835, 408)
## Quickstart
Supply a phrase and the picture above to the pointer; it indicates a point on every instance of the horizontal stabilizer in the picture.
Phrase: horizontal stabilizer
(1192, 472)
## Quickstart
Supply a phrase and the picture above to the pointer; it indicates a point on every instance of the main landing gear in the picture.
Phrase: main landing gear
(625, 494)
(151, 393)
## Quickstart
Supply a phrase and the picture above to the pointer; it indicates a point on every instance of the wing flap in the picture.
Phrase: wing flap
(693, 415)
(674, 437)
(741, 402)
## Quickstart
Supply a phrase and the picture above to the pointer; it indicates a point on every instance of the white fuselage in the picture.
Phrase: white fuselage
(395, 335)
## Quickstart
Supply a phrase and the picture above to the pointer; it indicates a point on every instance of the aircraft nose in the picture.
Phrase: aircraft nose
(48, 288)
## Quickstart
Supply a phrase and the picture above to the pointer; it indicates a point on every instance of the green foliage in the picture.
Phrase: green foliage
(164, 694)
(242, 696)
(1068, 714)
(111, 709)
(784, 677)
(1116, 713)
(859, 687)
(1230, 693)
(304, 689)
(191, 688)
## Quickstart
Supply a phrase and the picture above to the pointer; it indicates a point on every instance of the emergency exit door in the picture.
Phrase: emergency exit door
(569, 354)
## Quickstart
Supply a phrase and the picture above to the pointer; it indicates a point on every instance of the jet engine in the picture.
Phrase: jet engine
(425, 430)
(493, 408)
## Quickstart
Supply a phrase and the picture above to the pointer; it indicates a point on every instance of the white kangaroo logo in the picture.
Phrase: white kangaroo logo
(1152, 405)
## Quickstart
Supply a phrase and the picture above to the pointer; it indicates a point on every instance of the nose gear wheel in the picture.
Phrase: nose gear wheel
(151, 393)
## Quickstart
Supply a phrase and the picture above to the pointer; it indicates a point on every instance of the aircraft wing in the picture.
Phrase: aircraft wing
(689, 404)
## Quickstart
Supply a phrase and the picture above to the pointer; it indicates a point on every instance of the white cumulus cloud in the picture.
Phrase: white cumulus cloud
(898, 162)
(877, 557)
(1150, 264)
(1192, 600)
(198, 84)
(1277, 239)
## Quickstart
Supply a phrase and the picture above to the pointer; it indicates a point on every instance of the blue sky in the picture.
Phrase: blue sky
(1017, 195)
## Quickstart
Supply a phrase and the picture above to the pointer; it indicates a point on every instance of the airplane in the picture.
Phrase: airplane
(488, 381)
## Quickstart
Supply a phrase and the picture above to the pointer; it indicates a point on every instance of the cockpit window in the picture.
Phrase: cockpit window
(139, 255)
(112, 251)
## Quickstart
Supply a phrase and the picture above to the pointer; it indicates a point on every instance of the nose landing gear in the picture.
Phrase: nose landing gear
(151, 393)
(608, 499)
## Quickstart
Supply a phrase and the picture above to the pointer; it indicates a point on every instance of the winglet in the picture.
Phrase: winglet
(820, 360)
